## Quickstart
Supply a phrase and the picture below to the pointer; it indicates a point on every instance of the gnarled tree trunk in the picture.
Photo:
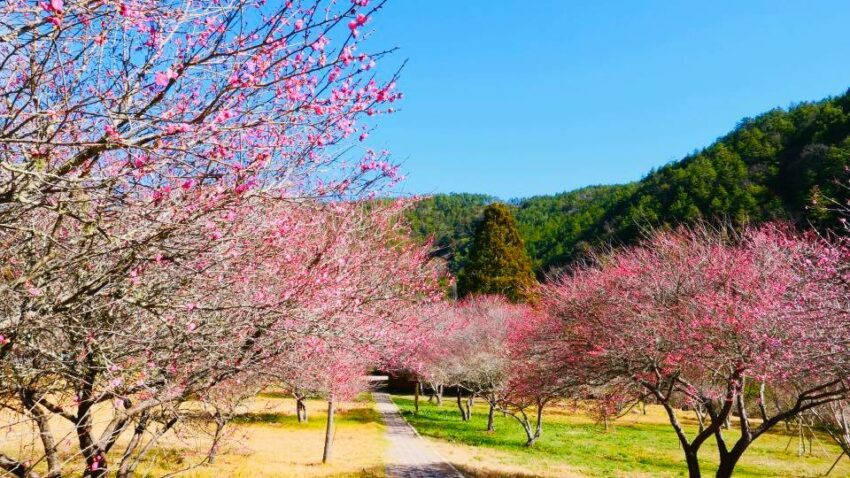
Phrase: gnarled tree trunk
(220, 423)
(301, 409)
(462, 405)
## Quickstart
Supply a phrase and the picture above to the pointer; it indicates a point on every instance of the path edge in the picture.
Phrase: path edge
(418, 435)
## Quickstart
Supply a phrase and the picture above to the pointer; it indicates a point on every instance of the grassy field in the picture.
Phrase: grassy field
(264, 441)
(573, 445)
(268, 441)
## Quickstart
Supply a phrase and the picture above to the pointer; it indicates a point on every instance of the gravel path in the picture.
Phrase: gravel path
(409, 456)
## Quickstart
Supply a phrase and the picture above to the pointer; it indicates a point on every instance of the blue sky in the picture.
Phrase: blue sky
(516, 98)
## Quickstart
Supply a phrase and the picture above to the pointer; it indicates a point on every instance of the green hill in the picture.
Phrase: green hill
(779, 165)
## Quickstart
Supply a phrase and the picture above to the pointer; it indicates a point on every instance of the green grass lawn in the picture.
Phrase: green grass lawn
(635, 445)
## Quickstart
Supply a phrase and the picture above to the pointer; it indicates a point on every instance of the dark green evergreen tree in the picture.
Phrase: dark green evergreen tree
(498, 262)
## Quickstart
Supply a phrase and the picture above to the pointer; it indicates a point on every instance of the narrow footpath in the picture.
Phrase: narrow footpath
(409, 456)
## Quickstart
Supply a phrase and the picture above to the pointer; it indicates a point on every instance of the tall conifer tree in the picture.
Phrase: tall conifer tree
(498, 262)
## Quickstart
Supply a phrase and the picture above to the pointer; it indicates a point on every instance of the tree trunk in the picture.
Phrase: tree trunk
(529, 434)
(693, 463)
(729, 460)
(128, 462)
(220, 423)
(329, 432)
(301, 409)
(439, 395)
(125, 468)
(700, 420)
(96, 466)
(54, 464)
(538, 430)
(490, 427)
(464, 414)
(416, 389)
(16, 468)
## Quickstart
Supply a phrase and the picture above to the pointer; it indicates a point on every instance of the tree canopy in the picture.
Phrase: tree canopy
(498, 263)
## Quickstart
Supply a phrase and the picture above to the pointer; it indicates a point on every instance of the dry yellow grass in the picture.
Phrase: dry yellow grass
(272, 444)
(266, 441)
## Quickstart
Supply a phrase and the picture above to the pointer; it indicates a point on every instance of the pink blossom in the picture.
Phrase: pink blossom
(53, 6)
(33, 290)
(162, 78)
(111, 132)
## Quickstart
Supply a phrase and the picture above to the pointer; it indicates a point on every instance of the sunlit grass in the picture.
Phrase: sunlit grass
(265, 440)
(268, 441)
(572, 444)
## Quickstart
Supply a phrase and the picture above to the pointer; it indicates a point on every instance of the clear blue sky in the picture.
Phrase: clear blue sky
(517, 98)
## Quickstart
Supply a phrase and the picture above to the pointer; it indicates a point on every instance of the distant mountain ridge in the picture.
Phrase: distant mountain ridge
(779, 165)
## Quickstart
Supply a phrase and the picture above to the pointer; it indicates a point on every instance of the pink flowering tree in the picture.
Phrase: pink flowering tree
(432, 363)
(470, 351)
(307, 279)
(321, 371)
(832, 271)
(146, 149)
(463, 350)
(130, 123)
(539, 371)
(482, 357)
(361, 313)
(710, 319)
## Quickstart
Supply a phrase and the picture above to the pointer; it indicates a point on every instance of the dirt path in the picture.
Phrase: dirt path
(409, 456)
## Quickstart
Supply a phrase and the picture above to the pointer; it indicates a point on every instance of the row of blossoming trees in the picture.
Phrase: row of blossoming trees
(750, 328)
(181, 220)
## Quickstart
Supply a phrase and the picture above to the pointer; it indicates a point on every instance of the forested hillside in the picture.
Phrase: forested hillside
(782, 164)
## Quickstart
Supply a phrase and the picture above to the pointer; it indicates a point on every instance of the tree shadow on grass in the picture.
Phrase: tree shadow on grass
(352, 415)
(431, 470)
(360, 415)
(471, 472)
(271, 394)
(266, 418)
(371, 472)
